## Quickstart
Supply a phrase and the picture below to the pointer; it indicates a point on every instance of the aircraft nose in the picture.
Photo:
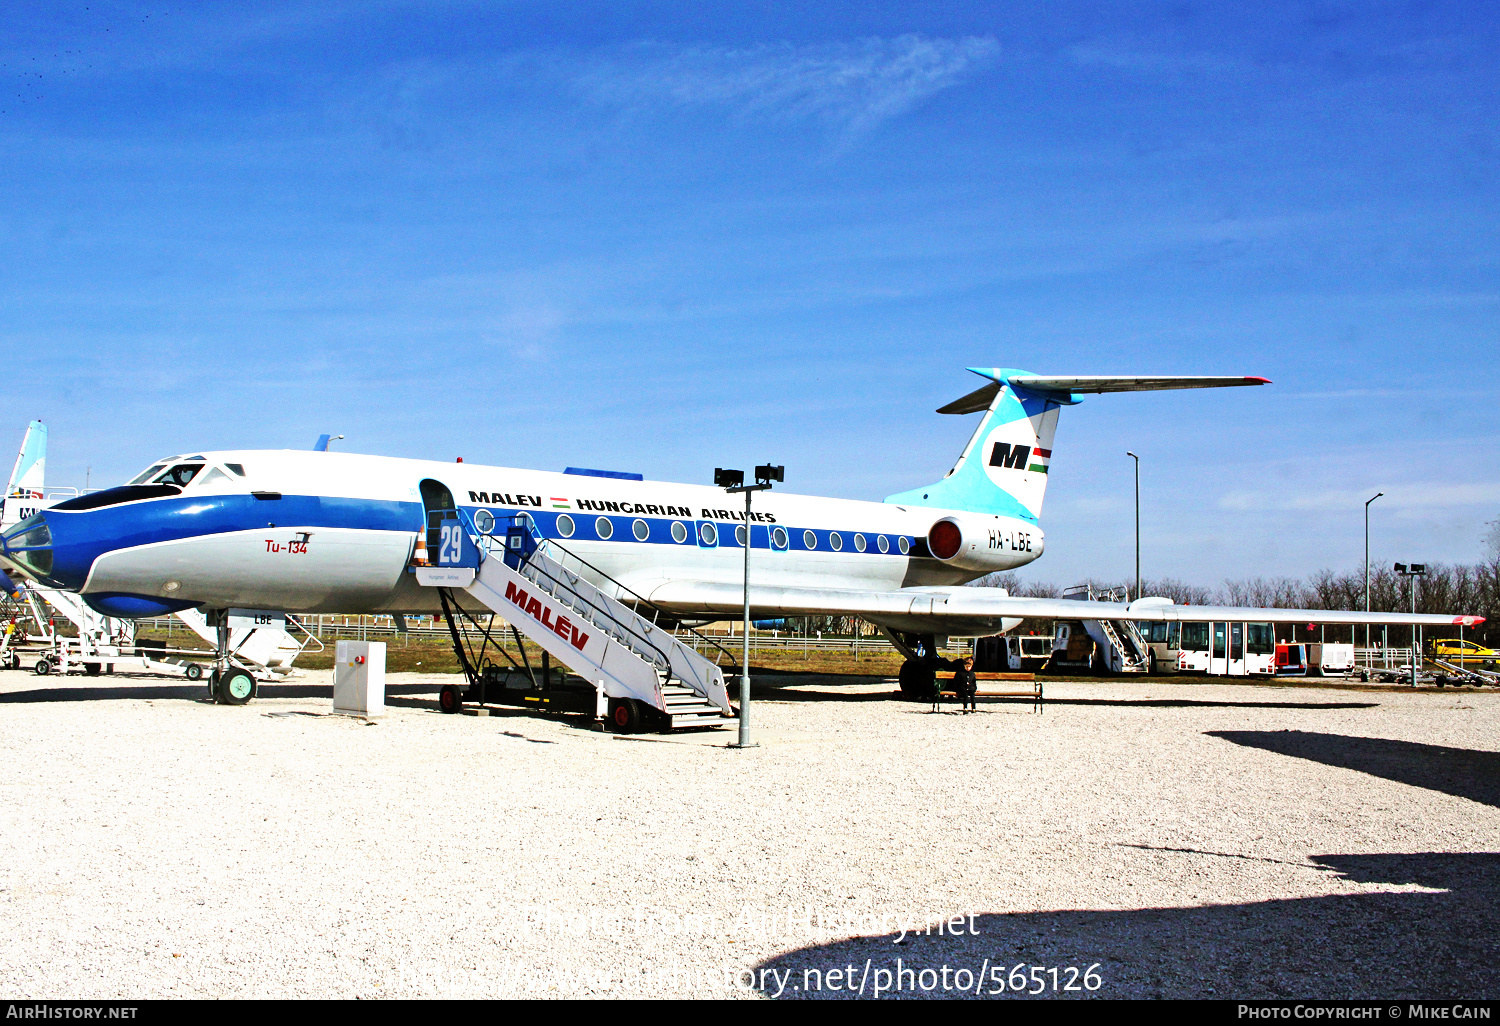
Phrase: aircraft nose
(28, 547)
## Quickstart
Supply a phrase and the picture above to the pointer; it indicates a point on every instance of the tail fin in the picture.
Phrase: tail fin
(1004, 468)
(23, 493)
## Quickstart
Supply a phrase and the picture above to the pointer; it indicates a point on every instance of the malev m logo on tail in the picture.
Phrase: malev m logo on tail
(1019, 457)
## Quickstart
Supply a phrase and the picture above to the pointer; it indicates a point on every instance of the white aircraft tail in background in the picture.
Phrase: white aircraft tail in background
(23, 492)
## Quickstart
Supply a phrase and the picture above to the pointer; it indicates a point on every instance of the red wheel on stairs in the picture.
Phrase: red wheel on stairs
(625, 715)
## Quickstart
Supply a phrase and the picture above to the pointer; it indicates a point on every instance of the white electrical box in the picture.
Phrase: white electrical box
(359, 678)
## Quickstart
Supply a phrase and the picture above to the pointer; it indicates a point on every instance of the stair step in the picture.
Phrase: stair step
(683, 708)
(701, 721)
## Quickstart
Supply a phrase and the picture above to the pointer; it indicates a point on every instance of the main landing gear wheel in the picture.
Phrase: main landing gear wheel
(193, 671)
(43, 667)
(92, 669)
(625, 715)
(449, 700)
(917, 680)
(236, 687)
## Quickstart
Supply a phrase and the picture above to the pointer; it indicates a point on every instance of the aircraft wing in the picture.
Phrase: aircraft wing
(976, 610)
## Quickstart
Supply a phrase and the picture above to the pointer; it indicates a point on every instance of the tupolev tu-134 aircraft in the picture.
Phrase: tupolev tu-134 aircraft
(318, 531)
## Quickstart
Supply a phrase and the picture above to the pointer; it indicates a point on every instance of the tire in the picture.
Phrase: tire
(449, 699)
(1151, 665)
(43, 667)
(93, 669)
(236, 687)
(625, 715)
(193, 671)
(917, 680)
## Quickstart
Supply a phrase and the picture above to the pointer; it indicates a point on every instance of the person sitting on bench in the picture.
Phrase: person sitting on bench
(965, 684)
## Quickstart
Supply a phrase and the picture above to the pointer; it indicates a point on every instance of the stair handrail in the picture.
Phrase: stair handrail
(485, 553)
(546, 545)
(552, 543)
(292, 621)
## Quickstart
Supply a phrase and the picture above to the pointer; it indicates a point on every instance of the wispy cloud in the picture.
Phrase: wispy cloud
(1421, 496)
(855, 86)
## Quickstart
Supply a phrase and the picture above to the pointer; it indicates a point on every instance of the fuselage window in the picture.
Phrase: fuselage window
(739, 536)
(641, 530)
(859, 542)
(679, 532)
(484, 521)
(883, 543)
(565, 526)
(604, 527)
(708, 534)
(778, 538)
(903, 545)
(809, 540)
(835, 541)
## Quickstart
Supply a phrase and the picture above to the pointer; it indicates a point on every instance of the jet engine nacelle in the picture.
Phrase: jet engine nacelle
(984, 543)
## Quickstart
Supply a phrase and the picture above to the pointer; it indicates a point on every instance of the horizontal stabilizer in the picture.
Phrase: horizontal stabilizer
(980, 398)
(1127, 383)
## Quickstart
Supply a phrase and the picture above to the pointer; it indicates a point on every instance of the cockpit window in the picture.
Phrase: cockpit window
(215, 474)
(238, 469)
(148, 475)
(178, 475)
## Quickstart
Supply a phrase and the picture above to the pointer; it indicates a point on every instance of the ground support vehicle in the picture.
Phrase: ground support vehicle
(1330, 659)
(1098, 646)
(1227, 648)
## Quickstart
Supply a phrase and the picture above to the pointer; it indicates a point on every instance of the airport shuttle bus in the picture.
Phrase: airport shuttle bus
(1227, 649)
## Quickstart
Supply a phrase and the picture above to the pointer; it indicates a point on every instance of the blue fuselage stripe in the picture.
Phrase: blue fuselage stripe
(80, 537)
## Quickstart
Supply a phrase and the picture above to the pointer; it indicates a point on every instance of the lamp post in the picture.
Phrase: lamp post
(733, 481)
(1411, 573)
(1137, 522)
(1367, 569)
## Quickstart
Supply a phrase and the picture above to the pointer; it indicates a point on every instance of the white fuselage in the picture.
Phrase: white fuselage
(336, 532)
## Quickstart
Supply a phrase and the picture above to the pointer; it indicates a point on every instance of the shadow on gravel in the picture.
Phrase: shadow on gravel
(805, 693)
(1189, 703)
(189, 692)
(1461, 772)
(1366, 946)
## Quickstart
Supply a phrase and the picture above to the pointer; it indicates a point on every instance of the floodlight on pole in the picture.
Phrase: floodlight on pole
(1411, 573)
(1367, 567)
(1137, 522)
(733, 481)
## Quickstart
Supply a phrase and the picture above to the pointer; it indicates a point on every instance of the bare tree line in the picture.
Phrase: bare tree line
(1462, 588)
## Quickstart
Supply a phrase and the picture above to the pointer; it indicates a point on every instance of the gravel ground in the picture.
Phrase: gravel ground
(1179, 839)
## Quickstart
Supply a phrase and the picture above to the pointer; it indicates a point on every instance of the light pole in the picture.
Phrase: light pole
(1411, 573)
(1137, 522)
(733, 481)
(1367, 570)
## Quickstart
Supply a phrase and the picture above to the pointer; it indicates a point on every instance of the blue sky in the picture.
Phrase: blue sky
(668, 237)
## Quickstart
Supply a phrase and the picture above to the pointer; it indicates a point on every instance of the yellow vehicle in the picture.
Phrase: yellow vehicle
(1464, 653)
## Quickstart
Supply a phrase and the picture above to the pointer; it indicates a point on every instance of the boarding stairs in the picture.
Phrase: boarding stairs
(1122, 647)
(1124, 650)
(522, 578)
